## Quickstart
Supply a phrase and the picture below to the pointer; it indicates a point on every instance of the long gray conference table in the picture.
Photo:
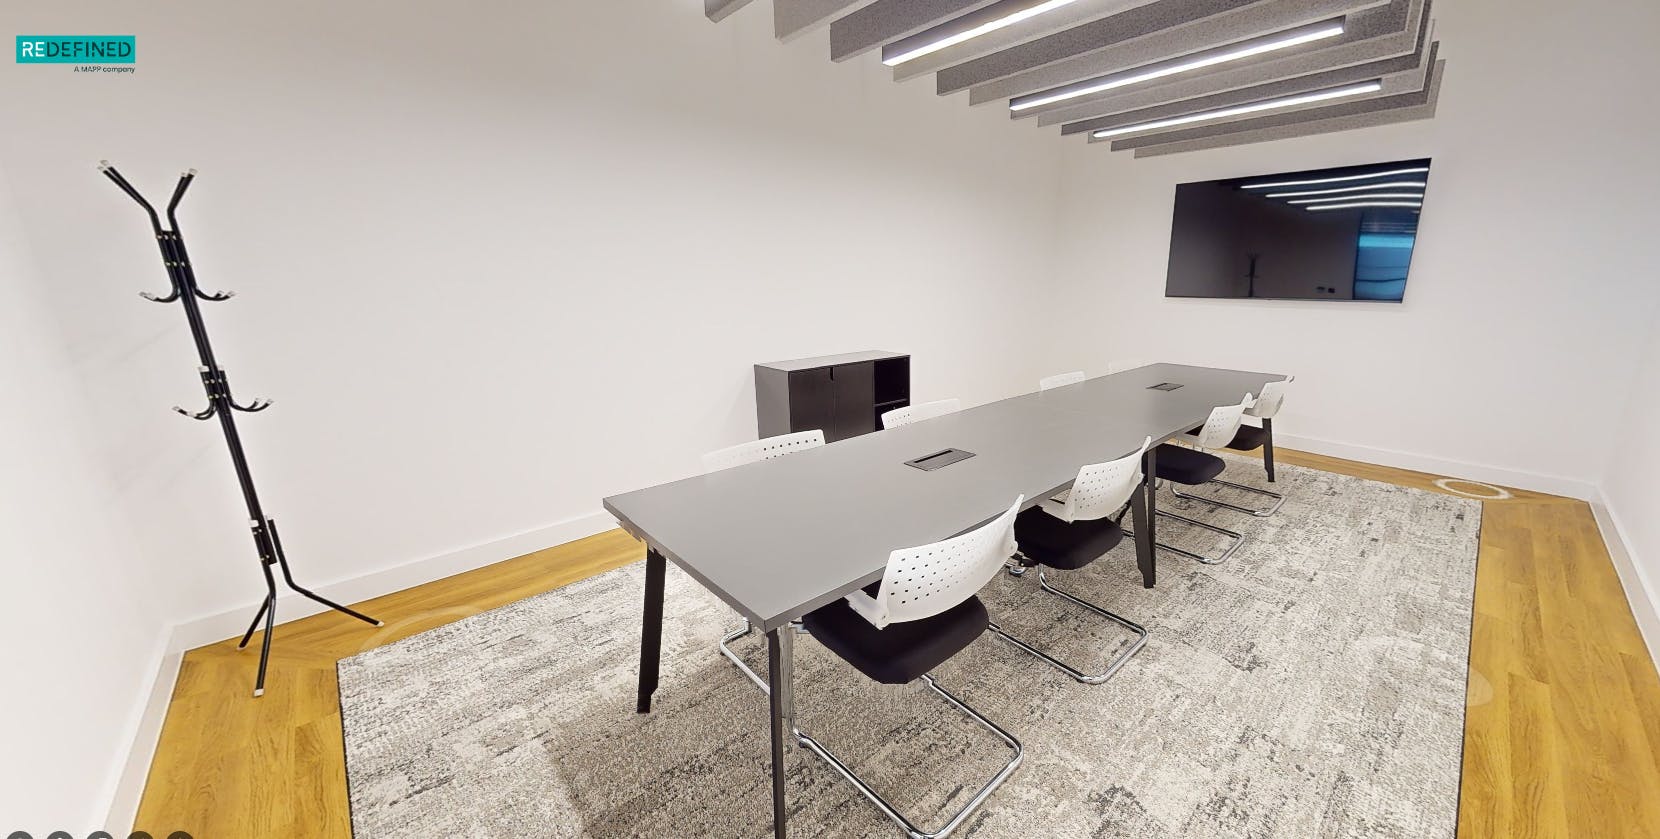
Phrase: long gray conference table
(780, 538)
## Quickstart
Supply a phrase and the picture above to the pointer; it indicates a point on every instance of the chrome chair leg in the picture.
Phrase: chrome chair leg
(957, 819)
(1086, 678)
(1238, 539)
(732, 655)
(1279, 500)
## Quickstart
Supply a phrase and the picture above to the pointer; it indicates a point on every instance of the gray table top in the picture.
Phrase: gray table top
(779, 538)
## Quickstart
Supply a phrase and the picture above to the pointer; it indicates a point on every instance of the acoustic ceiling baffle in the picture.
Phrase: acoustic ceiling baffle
(1148, 76)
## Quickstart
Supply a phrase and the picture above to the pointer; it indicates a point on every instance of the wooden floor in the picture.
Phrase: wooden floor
(1562, 736)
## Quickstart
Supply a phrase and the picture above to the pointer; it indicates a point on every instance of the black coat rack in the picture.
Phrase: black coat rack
(221, 404)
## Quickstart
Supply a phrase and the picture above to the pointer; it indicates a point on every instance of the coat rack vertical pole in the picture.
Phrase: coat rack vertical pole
(182, 275)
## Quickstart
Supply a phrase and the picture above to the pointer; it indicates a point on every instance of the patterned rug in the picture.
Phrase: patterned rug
(1311, 686)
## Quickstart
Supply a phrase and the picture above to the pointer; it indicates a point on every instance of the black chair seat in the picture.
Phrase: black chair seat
(1250, 438)
(1049, 541)
(1186, 466)
(902, 651)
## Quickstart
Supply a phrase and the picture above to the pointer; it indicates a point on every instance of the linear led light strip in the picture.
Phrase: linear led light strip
(1368, 176)
(1361, 188)
(1240, 110)
(1416, 196)
(1250, 48)
(1318, 207)
(970, 34)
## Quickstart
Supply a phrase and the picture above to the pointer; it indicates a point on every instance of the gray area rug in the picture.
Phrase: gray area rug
(1312, 686)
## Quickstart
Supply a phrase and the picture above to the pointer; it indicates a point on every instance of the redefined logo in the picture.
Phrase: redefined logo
(75, 49)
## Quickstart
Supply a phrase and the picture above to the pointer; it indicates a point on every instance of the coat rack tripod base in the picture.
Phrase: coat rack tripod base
(267, 541)
(269, 536)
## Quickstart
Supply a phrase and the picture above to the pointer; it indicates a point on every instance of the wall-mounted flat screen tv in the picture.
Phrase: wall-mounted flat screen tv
(1326, 234)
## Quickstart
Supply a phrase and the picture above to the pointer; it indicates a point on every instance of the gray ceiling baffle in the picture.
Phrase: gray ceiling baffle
(1151, 77)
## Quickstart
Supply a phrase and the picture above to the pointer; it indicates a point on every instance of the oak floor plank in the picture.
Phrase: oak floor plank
(1640, 674)
(1535, 771)
(1486, 806)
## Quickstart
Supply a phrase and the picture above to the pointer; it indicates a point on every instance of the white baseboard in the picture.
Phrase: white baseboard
(1551, 484)
(128, 776)
(124, 785)
(1639, 589)
(229, 624)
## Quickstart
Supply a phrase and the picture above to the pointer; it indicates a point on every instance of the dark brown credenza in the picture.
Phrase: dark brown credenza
(844, 395)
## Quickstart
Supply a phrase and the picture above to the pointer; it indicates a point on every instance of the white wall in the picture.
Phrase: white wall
(80, 611)
(495, 266)
(1531, 286)
(1631, 491)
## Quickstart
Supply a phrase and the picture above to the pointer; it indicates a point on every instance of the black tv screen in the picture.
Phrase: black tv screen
(1325, 234)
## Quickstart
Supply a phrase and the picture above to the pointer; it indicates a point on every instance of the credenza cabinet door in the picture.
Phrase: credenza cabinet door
(812, 400)
(854, 393)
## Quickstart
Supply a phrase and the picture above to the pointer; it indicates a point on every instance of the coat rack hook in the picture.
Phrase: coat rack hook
(257, 406)
(206, 413)
(215, 296)
(154, 299)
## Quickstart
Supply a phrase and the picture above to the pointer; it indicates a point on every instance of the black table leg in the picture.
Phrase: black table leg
(781, 699)
(1143, 509)
(1268, 448)
(651, 630)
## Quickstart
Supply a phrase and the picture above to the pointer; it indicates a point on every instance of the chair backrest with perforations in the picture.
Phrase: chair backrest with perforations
(924, 581)
(759, 450)
(1061, 380)
(1273, 396)
(1223, 424)
(918, 413)
(1101, 489)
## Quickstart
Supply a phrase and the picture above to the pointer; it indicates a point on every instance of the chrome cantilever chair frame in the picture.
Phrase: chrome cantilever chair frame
(936, 579)
(737, 661)
(1219, 428)
(1264, 409)
(1096, 493)
(1237, 537)
(912, 831)
(1279, 499)
(1087, 678)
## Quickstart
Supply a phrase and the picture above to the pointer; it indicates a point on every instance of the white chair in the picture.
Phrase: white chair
(739, 455)
(1267, 405)
(918, 413)
(1074, 529)
(922, 612)
(1061, 380)
(765, 449)
(1250, 438)
(1193, 466)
